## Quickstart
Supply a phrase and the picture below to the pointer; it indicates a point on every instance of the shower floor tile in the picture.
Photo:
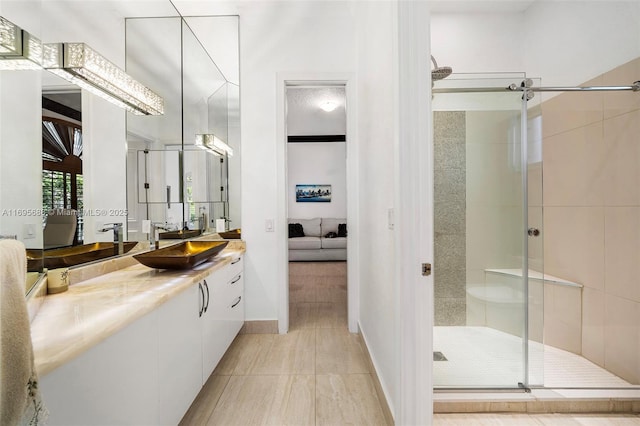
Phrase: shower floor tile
(485, 357)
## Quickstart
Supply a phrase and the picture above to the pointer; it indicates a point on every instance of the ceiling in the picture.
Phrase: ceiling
(480, 6)
(304, 115)
(71, 100)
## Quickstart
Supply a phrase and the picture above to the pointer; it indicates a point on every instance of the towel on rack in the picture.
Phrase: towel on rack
(20, 401)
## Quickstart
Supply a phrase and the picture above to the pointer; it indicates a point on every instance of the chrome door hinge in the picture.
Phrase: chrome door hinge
(426, 269)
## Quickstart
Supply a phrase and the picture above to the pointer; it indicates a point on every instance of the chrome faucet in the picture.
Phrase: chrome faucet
(153, 242)
(118, 242)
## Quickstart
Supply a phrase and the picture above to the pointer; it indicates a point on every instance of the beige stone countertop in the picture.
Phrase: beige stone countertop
(69, 323)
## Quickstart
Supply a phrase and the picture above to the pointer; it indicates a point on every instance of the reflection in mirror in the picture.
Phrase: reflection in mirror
(170, 180)
(205, 174)
(158, 177)
(205, 181)
(62, 179)
(157, 61)
(233, 129)
(20, 135)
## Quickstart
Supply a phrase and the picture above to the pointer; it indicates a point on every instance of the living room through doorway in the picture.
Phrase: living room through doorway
(316, 173)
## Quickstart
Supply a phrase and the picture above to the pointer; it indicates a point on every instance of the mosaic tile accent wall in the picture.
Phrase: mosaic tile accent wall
(450, 217)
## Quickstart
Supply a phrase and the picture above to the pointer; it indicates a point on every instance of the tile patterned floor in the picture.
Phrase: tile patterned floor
(317, 374)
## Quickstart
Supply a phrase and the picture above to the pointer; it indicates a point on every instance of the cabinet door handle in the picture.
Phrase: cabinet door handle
(236, 304)
(236, 261)
(236, 280)
(206, 285)
(202, 293)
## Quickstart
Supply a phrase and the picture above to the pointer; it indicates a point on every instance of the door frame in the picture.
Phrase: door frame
(283, 79)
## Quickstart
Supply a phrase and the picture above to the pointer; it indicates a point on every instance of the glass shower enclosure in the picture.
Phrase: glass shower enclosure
(488, 233)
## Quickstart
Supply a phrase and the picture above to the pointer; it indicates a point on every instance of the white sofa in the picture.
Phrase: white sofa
(314, 246)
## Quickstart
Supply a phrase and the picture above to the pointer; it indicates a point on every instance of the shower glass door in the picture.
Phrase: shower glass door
(483, 300)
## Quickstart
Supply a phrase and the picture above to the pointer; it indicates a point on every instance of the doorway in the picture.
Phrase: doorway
(316, 188)
(285, 80)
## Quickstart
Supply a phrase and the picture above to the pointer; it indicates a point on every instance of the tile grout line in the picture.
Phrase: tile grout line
(218, 400)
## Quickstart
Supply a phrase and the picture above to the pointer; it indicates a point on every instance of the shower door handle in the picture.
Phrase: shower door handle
(533, 232)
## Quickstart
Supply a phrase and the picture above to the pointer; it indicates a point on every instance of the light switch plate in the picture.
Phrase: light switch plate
(268, 225)
(390, 218)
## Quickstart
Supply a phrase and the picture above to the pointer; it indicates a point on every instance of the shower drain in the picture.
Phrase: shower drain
(438, 356)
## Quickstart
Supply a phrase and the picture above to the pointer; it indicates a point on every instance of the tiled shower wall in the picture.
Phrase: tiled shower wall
(591, 198)
(450, 220)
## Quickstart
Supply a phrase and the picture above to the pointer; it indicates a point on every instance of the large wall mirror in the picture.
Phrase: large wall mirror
(20, 142)
(65, 148)
(171, 180)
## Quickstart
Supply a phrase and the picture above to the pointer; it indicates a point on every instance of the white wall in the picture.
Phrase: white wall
(21, 155)
(569, 43)
(321, 163)
(478, 42)
(21, 137)
(310, 37)
(562, 42)
(377, 136)
(104, 166)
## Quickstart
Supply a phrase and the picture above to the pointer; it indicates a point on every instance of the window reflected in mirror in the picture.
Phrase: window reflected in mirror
(62, 178)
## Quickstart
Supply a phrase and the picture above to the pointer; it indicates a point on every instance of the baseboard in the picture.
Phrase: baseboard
(376, 381)
(260, 327)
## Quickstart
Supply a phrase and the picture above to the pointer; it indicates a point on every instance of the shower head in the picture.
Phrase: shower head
(438, 73)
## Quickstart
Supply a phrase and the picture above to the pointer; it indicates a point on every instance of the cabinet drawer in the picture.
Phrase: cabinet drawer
(224, 297)
(234, 268)
(232, 286)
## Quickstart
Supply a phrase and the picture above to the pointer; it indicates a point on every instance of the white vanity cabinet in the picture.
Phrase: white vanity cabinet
(179, 354)
(223, 316)
(113, 383)
(150, 372)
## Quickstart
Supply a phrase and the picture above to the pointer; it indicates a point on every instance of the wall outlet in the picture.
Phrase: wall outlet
(29, 231)
(268, 225)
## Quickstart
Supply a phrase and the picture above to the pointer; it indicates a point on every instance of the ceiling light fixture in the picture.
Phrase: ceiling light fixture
(213, 144)
(19, 50)
(83, 66)
(328, 106)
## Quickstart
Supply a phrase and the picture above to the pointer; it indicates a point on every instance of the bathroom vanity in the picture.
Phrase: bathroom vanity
(136, 345)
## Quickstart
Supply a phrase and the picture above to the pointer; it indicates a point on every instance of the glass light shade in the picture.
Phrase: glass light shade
(200, 143)
(19, 50)
(328, 106)
(81, 65)
(214, 144)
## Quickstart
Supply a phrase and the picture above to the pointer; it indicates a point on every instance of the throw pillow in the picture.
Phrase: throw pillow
(295, 230)
(342, 230)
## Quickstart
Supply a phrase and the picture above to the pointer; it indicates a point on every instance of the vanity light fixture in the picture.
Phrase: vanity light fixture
(19, 50)
(213, 144)
(328, 106)
(83, 66)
